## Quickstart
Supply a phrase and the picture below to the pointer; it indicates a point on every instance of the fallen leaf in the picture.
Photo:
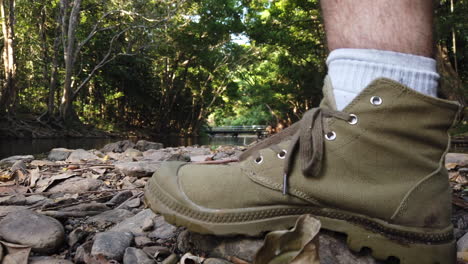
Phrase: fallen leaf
(35, 175)
(15, 254)
(189, 258)
(6, 177)
(46, 183)
(296, 245)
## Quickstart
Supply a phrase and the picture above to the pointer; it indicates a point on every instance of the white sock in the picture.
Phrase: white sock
(351, 70)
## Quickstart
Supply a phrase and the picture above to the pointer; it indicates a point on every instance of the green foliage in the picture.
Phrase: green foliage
(177, 68)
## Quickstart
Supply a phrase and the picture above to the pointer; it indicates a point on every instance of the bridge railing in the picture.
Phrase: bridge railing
(238, 128)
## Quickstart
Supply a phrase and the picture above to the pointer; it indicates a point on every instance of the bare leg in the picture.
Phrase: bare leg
(395, 25)
(371, 39)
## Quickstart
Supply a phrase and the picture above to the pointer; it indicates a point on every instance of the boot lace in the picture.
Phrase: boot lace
(307, 140)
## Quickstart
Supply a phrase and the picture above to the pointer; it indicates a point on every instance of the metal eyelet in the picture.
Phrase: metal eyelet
(259, 160)
(282, 154)
(352, 119)
(330, 135)
(376, 100)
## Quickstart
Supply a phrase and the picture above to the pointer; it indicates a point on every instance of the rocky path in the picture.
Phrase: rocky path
(87, 206)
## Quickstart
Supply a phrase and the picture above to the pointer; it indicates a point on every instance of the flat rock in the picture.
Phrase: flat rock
(461, 159)
(120, 197)
(144, 145)
(142, 241)
(156, 155)
(119, 146)
(133, 153)
(109, 217)
(77, 184)
(462, 243)
(135, 255)
(333, 250)
(59, 154)
(219, 247)
(138, 224)
(112, 245)
(163, 230)
(81, 155)
(11, 160)
(5, 210)
(138, 168)
(48, 260)
(44, 234)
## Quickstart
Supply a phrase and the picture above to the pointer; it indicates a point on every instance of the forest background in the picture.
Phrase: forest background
(175, 66)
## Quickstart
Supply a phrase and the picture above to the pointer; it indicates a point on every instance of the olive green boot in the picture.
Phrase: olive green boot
(374, 171)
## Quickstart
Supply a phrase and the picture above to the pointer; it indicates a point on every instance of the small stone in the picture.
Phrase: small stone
(76, 236)
(133, 153)
(111, 245)
(81, 155)
(82, 252)
(109, 217)
(138, 168)
(17, 199)
(221, 155)
(179, 157)
(11, 160)
(138, 224)
(119, 146)
(135, 255)
(18, 166)
(5, 210)
(48, 260)
(200, 158)
(76, 185)
(140, 183)
(334, 250)
(133, 203)
(144, 145)
(120, 198)
(219, 247)
(157, 251)
(156, 155)
(216, 261)
(141, 241)
(163, 229)
(59, 154)
(462, 243)
(44, 234)
(33, 199)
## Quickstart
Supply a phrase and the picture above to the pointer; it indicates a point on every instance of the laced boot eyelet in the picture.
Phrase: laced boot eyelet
(259, 160)
(352, 119)
(282, 154)
(376, 100)
(330, 135)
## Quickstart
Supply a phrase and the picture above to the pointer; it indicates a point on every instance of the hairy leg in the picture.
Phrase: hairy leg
(404, 26)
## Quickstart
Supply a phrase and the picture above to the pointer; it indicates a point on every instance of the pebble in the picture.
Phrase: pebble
(219, 247)
(11, 160)
(142, 241)
(44, 234)
(112, 245)
(59, 154)
(144, 145)
(77, 184)
(163, 230)
(119, 146)
(76, 236)
(133, 153)
(138, 224)
(462, 243)
(136, 256)
(81, 155)
(138, 168)
(157, 251)
(48, 260)
(216, 261)
(120, 198)
(109, 217)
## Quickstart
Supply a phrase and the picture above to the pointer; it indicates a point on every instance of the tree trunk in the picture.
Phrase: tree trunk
(8, 95)
(67, 113)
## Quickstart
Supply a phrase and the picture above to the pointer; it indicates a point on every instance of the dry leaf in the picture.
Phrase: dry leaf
(189, 258)
(46, 183)
(296, 245)
(6, 177)
(15, 254)
(35, 175)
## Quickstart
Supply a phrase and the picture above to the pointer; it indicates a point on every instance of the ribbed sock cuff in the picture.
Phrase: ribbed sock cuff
(351, 70)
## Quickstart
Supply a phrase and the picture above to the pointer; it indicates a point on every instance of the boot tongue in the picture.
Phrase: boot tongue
(328, 100)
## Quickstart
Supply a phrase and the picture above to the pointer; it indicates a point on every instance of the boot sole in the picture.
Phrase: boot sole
(408, 244)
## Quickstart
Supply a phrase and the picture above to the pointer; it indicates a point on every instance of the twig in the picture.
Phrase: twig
(61, 214)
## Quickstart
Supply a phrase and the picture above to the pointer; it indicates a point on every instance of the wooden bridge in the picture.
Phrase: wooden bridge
(258, 130)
